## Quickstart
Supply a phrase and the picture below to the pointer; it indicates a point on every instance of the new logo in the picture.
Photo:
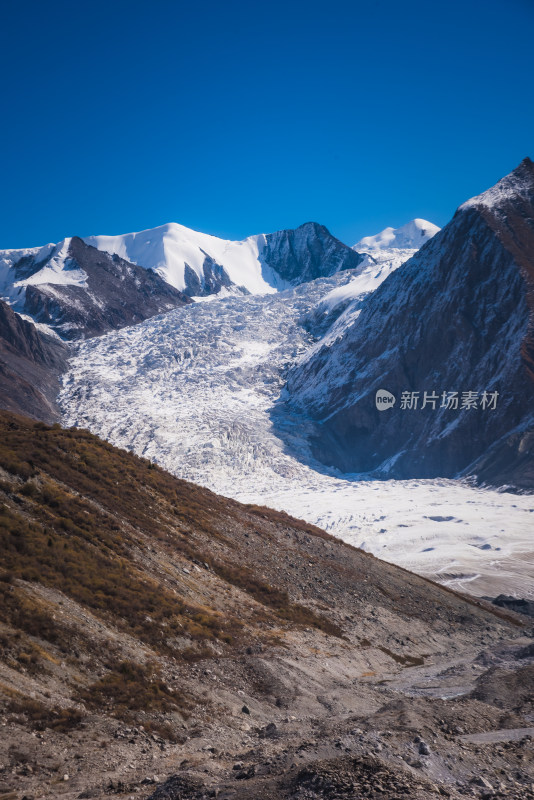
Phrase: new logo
(384, 399)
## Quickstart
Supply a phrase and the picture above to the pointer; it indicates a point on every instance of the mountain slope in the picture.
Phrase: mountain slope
(457, 317)
(80, 292)
(148, 625)
(30, 365)
(199, 264)
(382, 255)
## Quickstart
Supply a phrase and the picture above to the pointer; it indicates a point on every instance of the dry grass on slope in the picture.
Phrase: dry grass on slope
(116, 570)
(140, 614)
(77, 515)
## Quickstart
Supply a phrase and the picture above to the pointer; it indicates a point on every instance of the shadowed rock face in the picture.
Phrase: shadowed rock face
(519, 605)
(512, 219)
(30, 364)
(307, 252)
(213, 280)
(456, 317)
(116, 293)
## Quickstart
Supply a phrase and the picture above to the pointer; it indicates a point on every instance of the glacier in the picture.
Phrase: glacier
(200, 389)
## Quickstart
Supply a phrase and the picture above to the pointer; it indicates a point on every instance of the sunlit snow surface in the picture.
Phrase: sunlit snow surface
(196, 390)
(171, 248)
(412, 235)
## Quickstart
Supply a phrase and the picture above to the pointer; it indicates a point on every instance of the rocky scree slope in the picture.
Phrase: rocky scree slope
(133, 647)
(455, 317)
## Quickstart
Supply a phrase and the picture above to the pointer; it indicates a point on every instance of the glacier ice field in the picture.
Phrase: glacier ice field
(199, 390)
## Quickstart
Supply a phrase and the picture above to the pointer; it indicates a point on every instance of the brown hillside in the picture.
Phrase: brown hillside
(144, 620)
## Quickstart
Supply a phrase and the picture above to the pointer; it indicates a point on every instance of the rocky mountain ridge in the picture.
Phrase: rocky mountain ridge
(457, 317)
(80, 292)
(83, 288)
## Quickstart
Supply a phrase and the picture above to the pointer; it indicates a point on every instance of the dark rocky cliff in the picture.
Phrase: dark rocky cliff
(30, 365)
(307, 252)
(116, 293)
(456, 317)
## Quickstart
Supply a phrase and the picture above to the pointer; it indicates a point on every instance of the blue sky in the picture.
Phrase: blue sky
(235, 118)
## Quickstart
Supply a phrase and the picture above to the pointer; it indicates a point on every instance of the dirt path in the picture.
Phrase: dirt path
(504, 735)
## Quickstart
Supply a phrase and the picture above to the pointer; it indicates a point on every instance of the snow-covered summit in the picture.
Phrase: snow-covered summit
(200, 264)
(465, 296)
(411, 236)
(174, 252)
(34, 266)
(516, 184)
(73, 290)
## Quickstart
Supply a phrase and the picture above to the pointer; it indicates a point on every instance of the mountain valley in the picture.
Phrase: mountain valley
(228, 572)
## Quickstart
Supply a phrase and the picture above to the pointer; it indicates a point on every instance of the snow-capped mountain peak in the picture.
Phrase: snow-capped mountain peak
(181, 255)
(166, 265)
(457, 317)
(58, 267)
(516, 184)
(201, 264)
(408, 237)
